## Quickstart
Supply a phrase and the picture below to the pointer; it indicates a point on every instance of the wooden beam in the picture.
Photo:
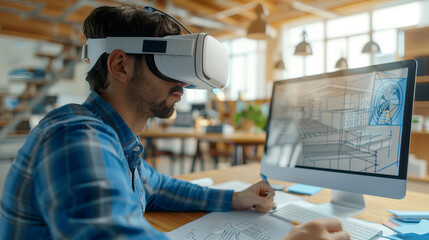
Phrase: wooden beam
(161, 4)
(13, 24)
(109, 3)
(203, 10)
(341, 7)
(362, 5)
(14, 33)
(234, 8)
(17, 5)
(80, 14)
(55, 8)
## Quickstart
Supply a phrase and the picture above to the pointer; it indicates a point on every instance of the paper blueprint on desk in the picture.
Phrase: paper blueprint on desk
(235, 225)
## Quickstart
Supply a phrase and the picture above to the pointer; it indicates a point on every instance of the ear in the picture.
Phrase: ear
(119, 65)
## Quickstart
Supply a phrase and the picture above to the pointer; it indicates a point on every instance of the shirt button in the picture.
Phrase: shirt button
(136, 148)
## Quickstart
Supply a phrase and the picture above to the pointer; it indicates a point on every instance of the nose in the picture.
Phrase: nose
(184, 85)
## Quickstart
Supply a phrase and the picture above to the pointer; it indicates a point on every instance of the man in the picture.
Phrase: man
(80, 175)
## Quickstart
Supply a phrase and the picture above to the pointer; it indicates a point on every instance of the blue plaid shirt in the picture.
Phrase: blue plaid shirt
(80, 176)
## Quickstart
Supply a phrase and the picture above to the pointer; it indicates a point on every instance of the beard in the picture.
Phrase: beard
(144, 104)
(161, 110)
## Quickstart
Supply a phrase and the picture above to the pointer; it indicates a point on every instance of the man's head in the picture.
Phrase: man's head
(146, 94)
(127, 21)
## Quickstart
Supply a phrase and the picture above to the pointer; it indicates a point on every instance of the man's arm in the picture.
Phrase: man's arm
(164, 193)
(83, 189)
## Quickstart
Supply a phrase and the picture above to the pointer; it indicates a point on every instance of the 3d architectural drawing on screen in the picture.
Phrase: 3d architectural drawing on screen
(341, 123)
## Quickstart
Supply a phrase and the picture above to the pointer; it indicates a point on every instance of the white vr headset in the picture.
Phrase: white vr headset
(197, 59)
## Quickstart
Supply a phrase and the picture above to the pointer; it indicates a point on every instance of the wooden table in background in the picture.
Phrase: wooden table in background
(236, 139)
(375, 212)
(151, 135)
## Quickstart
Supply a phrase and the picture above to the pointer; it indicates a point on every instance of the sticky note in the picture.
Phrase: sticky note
(420, 228)
(304, 189)
(407, 237)
(410, 214)
(400, 222)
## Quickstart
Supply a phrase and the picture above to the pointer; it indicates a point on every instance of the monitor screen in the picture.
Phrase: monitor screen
(347, 130)
(184, 119)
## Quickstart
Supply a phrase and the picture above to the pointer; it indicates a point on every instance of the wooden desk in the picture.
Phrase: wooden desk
(236, 139)
(376, 206)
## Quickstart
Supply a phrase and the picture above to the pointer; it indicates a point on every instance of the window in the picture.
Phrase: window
(396, 17)
(246, 69)
(340, 27)
(308, 65)
(245, 72)
(335, 38)
(335, 49)
(355, 57)
(195, 95)
(388, 41)
(345, 41)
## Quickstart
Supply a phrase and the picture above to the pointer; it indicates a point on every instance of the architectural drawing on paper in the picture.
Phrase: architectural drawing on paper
(229, 231)
(342, 124)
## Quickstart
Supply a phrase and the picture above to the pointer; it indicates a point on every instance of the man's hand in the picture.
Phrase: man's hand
(260, 196)
(321, 229)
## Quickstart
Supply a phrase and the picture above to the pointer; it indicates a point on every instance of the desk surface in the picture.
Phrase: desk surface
(376, 206)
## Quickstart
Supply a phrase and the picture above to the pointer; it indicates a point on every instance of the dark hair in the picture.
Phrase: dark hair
(126, 21)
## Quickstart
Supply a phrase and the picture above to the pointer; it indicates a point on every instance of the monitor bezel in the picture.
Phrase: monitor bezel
(411, 65)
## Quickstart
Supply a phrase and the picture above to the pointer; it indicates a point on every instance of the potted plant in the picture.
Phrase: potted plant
(251, 119)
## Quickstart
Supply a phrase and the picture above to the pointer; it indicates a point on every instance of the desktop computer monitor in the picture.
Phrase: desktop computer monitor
(348, 131)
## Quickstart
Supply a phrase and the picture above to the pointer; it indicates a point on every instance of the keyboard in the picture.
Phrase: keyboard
(296, 214)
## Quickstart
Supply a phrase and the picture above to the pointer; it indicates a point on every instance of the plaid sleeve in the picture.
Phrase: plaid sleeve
(164, 193)
(80, 184)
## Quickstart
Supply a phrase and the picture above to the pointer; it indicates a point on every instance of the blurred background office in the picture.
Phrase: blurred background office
(269, 40)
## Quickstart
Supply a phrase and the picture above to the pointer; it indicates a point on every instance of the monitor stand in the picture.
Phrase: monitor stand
(343, 204)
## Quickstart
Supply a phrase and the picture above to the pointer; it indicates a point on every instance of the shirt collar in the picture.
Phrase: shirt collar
(130, 143)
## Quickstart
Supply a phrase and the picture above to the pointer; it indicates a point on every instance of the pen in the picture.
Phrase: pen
(265, 179)
(296, 223)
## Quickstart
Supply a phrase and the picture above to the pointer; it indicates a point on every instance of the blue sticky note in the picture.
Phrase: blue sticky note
(420, 228)
(410, 214)
(407, 237)
(419, 237)
(304, 189)
(394, 237)
(400, 222)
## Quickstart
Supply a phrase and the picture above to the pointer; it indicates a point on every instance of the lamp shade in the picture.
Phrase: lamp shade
(371, 47)
(303, 48)
(259, 28)
(280, 65)
(342, 63)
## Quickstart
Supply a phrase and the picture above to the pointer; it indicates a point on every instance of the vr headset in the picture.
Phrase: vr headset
(197, 59)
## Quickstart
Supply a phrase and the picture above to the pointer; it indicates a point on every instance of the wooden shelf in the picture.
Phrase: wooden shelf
(35, 81)
(67, 57)
(421, 104)
(415, 42)
(422, 79)
(421, 108)
(420, 132)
